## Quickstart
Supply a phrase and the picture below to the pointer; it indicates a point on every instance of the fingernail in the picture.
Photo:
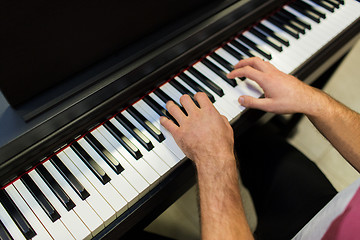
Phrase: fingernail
(241, 100)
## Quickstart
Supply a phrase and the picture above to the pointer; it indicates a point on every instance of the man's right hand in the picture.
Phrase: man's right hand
(283, 93)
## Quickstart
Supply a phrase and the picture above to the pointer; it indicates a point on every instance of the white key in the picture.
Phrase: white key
(107, 191)
(95, 200)
(82, 208)
(139, 165)
(224, 54)
(118, 181)
(71, 221)
(172, 92)
(162, 151)
(149, 156)
(131, 175)
(10, 225)
(56, 229)
(41, 232)
(154, 118)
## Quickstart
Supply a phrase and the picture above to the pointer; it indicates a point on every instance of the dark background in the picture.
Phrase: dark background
(44, 43)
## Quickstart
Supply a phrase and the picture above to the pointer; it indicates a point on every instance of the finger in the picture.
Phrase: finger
(175, 111)
(248, 72)
(203, 100)
(168, 125)
(254, 62)
(188, 104)
(265, 104)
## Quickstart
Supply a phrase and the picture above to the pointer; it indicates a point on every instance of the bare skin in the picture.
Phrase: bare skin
(286, 94)
(206, 137)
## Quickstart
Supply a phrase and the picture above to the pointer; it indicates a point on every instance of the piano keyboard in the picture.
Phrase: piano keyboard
(80, 190)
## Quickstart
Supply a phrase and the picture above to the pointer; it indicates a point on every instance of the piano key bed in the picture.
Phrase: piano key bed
(84, 187)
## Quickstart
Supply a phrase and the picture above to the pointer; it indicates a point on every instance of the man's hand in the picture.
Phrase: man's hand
(206, 137)
(203, 134)
(283, 93)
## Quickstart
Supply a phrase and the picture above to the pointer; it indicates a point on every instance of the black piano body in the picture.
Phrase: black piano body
(53, 120)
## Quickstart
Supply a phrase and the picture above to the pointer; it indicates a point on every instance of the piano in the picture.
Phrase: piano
(98, 165)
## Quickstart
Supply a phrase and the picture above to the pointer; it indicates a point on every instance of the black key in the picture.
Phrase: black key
(295, 18)
(311, 8)
(333, 2)
(284, 19)
(90, 163)
(104, 153)
(55, 187)
(135, 132)
(306, 12)
(165, 98)
(285, 27)
(325, 5)
(196, 86)
(242, 48)
(70, 178)
(218, 71)
(269, 40)
(156, 133)
(159, 109)
(256, 47)
(215, 88)
(123, 140)
(40, 198)
(183, 90)
(4, 234)
(233, 52)
(225, 64)
(273, 34)
(222, 61)
(16, 215)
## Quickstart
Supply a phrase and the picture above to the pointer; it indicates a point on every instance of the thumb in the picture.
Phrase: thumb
(258, 103)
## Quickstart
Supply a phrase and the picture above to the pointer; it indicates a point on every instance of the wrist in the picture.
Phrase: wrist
(319, 104)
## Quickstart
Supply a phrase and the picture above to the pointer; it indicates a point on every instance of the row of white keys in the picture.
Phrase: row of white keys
(320, 33)
(82, 208)
(10, 225)
(150, 157)
(159, 148)
(71, 221)
(56, 229)
(106, 192)
(154, 118)
(132, 175)
(95, 200)
(118, 181)
(138, 164)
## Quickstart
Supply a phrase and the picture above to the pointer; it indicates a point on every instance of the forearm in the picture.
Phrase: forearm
(339, 124)
(220, 202)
